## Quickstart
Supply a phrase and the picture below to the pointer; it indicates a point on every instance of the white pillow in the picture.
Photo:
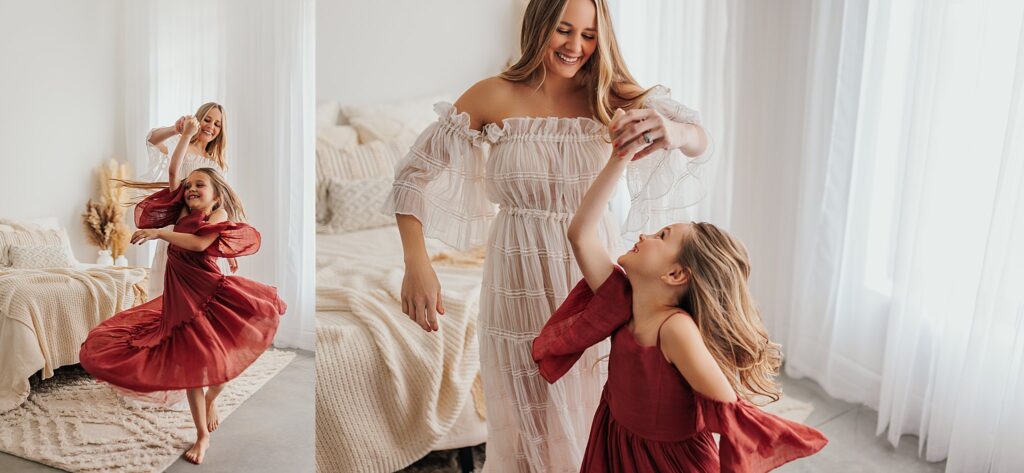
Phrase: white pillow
(355, 204)
(39, 256)
(338, 136)
(387, 128)
(327, 114)
(31, 224)
(414, 115)
(33, 238)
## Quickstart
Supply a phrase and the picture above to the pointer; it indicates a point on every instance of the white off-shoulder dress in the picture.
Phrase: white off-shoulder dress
(514, 188)
(158, 164)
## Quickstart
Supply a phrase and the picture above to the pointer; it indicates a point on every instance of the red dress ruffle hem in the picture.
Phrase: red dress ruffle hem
(649, 418)
(204, 330)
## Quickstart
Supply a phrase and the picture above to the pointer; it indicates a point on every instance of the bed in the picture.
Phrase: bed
(47, 309)
(387, 392)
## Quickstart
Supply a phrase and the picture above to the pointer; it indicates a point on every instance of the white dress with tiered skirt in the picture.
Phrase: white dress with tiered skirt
(514, 187)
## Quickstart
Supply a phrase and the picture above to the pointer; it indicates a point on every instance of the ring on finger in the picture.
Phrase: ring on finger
(647, 137)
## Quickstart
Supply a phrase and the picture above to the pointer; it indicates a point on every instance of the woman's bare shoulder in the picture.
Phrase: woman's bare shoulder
(485, 100)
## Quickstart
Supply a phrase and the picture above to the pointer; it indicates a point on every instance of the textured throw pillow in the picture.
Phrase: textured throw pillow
(372, 160)
(377, 159)
(355, 204)
(384, 128)
(386, 121)
(33, 238)
(39, 256)
(340, 137)
(327, 114)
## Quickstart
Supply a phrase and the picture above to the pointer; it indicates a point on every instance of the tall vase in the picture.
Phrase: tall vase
(104, 258)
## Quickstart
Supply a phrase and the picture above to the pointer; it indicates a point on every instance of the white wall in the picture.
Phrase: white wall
(378, 51)
(61, 115)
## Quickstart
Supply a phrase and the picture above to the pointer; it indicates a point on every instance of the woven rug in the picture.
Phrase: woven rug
(76, 424)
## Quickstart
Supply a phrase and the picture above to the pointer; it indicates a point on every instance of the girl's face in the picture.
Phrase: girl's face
(574, 40)
(209, 126)
(199, 192)
(656, 254)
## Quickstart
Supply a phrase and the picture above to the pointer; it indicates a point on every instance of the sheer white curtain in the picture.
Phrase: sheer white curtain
(913, 221)
(685, 46)
(257, 59)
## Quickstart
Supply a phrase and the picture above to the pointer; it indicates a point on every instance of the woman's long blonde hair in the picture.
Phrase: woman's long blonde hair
(604, 75)
(215, 148)
(729, 322)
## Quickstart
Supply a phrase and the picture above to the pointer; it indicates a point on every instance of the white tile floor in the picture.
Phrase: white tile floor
(853, 446)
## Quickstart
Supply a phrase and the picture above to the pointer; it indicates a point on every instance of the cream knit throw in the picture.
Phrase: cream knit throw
(386, 391)
(45, 315)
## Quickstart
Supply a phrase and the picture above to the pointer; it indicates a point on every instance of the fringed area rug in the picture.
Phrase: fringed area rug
(74, 423)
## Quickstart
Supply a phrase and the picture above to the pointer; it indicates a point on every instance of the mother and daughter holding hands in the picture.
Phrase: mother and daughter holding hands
(689, 354)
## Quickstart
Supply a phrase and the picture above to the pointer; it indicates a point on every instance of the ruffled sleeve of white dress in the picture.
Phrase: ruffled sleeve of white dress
(663, 184)
(442, 181)
(157, 160)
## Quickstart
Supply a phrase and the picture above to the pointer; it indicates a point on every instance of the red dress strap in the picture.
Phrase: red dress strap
(658, 342)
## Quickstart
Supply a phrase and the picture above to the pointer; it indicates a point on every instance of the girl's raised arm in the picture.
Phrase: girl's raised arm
(591, 255)
(191, 127)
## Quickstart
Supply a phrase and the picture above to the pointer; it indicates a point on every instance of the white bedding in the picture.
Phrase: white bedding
(45, 315)
(388, 392)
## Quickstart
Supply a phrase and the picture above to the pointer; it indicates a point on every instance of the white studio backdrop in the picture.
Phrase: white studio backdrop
(256, 58)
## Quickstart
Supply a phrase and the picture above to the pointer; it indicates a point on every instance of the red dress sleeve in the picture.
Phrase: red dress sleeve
(160, 208)
(753, 440)
(234, 240)
(584, 319)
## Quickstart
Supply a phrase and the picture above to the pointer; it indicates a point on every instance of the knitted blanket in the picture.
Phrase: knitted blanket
(387, 391)
(45, 315)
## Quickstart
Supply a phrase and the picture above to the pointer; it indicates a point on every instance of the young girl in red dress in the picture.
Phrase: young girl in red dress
(207, 327)
(689, 351)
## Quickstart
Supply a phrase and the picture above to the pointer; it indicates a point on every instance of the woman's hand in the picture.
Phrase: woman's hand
(144, 235)
(191, 126)
(233, 265)
(644, 131)
(179, 126)
(421, 295)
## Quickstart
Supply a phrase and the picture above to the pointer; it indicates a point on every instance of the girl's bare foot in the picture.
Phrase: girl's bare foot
(212, 419)
(198, 450)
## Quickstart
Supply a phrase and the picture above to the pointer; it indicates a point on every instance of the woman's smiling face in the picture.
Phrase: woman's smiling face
(574, 39)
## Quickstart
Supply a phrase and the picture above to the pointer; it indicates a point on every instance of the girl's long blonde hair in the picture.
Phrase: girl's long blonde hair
(215, 148)
(729, 322)
(229, 200)
(604, 75)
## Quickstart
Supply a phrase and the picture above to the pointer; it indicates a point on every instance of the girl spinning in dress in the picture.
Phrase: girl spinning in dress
(689, 351)
(173, 158)
(206, 328)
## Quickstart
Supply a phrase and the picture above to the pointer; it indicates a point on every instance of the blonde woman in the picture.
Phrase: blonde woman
(174, 159)
(531, 141)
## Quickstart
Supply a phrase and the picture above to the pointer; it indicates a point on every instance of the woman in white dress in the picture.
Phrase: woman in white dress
(507, 166)
(205, 150)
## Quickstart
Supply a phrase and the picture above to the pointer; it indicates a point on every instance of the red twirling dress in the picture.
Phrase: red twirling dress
(204, 330)
(649, 418)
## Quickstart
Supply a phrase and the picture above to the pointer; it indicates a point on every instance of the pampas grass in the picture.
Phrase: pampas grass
(104, 217)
